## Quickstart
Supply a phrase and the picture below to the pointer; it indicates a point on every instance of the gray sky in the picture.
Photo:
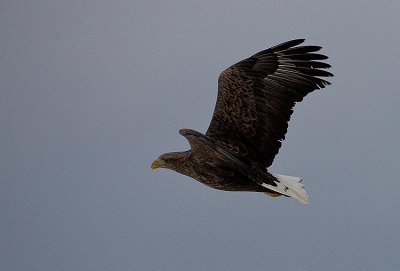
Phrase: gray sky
(93, 91)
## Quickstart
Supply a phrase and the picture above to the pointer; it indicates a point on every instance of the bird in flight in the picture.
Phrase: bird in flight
(255, 100)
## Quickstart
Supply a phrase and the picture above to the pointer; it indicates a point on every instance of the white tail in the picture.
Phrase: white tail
(289, 186)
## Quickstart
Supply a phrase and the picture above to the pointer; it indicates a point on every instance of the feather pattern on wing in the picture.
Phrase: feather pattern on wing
(256, 97)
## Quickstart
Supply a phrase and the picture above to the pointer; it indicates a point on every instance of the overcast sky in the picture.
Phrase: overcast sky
(92, 91)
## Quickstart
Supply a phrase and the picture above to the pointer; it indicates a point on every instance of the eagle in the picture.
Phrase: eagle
(255, 101)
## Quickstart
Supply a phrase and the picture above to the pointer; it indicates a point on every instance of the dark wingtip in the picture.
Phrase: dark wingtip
(294, 42)
(280, 47)
(287, 44)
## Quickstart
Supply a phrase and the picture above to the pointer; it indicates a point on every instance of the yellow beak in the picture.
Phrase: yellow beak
(156, 164)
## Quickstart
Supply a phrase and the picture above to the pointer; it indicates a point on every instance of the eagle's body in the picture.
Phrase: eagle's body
(208, 165)
(255, 100)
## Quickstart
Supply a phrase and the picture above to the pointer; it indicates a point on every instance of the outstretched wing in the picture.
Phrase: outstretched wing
(256, 97)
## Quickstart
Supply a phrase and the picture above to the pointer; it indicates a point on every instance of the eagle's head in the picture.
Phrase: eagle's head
(171, 160)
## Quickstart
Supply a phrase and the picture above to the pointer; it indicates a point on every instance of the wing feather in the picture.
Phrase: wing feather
(256, 97)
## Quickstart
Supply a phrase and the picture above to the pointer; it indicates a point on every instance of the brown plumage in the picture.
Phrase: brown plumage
(255, 100)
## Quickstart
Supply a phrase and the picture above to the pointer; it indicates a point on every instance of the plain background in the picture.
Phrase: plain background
(93, 91)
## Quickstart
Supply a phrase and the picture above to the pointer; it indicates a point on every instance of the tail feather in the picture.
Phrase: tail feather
(289, 186)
